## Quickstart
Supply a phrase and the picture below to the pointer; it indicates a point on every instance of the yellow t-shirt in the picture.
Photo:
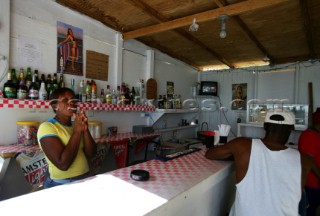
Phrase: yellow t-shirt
(79, 166)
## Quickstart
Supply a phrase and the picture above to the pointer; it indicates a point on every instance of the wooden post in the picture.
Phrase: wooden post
(310, 97)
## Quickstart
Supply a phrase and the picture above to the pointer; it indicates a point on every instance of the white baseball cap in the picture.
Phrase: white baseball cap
(284, 117)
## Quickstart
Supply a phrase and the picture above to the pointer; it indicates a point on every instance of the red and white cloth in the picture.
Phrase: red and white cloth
(174, 176)
(40, 104)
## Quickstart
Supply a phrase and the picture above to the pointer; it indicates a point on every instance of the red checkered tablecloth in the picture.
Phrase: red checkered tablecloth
(170, 178)
(7, 151)
(40, 104)
(17, 103)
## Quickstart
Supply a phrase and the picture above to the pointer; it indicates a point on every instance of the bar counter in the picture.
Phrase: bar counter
(188, 185)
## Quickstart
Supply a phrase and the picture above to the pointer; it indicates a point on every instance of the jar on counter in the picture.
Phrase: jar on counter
(95, 128)
(27, 132)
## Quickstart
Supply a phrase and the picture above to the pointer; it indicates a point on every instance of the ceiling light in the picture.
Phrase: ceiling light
(266, 59)
(194, 26)
(223, 32)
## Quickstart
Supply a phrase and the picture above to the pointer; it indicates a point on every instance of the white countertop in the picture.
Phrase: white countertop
(114, 193)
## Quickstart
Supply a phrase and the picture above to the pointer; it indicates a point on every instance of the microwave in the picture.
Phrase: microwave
(209, 88)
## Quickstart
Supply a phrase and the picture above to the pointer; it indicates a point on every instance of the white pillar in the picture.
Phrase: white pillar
(5, 38)
(118, 59)
(150, 64)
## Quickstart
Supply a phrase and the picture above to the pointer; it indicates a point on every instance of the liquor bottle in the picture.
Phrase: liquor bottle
(132, 96)
(42, 79)
(55, 81)
(118, 93)
(114, 98)
(160, 102)
(51, 88)
(61, 82)
(127, 94)
(164, 98)
(22, 90)
(108, 95)
(48, 83)
(36, 72)
(88, 91)
(9, 88)
(102, 96)
(21, 76)
(33, 92)
(14, 77)
(82, 93)
(93, 91)
(28, 77)
(43, 94)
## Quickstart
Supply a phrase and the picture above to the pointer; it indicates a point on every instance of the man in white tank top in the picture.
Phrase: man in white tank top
(269, 175)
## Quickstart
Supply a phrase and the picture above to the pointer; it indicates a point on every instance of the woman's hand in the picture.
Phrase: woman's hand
(79, 122)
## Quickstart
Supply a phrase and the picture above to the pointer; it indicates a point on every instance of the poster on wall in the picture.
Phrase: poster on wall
(69, 49)
(239, 96)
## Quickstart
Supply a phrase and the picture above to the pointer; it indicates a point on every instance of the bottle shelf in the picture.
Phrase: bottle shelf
(40, 104)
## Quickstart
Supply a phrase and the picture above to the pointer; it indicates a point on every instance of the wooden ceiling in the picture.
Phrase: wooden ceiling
(258, 31)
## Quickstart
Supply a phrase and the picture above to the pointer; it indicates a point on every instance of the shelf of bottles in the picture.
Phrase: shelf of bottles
(40, 104)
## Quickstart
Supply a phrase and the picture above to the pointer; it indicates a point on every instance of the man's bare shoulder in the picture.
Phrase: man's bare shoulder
(240, 141)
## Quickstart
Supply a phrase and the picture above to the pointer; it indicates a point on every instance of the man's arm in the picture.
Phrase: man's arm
(228, 150)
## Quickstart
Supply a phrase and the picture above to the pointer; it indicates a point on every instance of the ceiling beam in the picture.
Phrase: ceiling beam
(161, 18)
(307, 26)
(231, 10)
(246, 30)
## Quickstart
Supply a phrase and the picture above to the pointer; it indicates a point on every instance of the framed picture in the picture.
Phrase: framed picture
(239, 96)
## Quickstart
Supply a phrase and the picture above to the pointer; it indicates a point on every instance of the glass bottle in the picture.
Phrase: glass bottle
(33, 92)
(55, 81)
(114, 99)
(93, 91)
(88, 91)
(102, 96)
(133, 96)
(43, 94)
(28, 77)
(14, 77)
(61, 82)
(36, 72)
(82, 93)
(51, 88)
(160, 102)
(9, 88)
(48, 83)
(108, 95)
(22, 90)
(164, 98)
(118, 93)
(21, 76)
(42, 79)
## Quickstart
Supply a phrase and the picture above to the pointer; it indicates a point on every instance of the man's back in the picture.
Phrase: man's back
(272, 182)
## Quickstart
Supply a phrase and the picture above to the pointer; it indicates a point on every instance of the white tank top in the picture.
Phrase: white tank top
(272, 185)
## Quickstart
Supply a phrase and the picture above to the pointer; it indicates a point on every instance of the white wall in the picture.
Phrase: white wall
(37, 20)
(289, 81)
